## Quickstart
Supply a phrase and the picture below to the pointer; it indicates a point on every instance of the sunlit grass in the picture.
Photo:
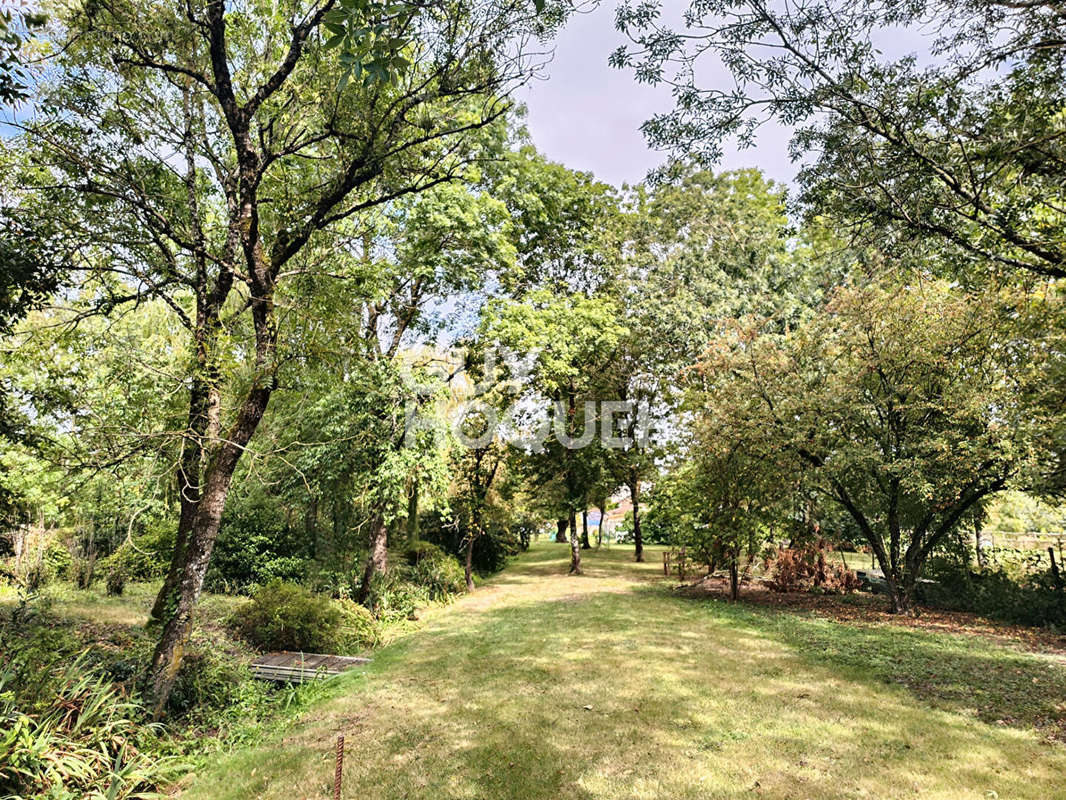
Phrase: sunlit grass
(130, 609)
(608, 686)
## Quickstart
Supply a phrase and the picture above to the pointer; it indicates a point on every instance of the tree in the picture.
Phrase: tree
(721, 502)
(700, 249)
(564, 223)
(477, 469)
(207, 156)
(569, 340)
(962, 156)
(906, 404)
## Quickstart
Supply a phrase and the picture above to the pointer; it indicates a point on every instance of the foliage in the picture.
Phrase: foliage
(145, 557)
(896, 402)
(422, 550)
(492, 548)
(256, 544)
(88, 741)
(1025, 594)
(68, 731)
(809, 569)
(440, 575)
(394, 595)
(722, 501)
(958, 156)
(16, 28)
(656, 527)
(242, 187)
(286, 616)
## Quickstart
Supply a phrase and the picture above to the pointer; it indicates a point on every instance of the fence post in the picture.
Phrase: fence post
(339, 768)
(1055, 570)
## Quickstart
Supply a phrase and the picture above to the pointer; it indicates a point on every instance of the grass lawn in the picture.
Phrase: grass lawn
(611, 685)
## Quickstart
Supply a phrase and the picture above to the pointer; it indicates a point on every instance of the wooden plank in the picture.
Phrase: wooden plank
(290, 667)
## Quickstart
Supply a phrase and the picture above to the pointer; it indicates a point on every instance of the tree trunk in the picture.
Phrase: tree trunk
(638, 539)
(560, 530)
(599, 530)
(734, 579)
(378, 558)
(469, 566)
(412, 512)
(179, 603)
(585, 545)
(188, 479)
(311, 526)
(473, 533)
(901, 596)
(575, 547)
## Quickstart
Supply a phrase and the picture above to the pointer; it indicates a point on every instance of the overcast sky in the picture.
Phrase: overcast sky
(588, 115)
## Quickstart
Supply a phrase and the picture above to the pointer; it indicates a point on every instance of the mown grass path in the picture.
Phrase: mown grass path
(610, 686)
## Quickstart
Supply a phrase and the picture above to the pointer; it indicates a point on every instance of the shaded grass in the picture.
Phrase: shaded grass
(610, 686)
(960, 672)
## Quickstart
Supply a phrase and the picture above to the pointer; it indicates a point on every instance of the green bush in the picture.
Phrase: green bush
(256, 544)
(421, 550)
(394, 595)
(86, 741)
(33, 645)
(147, 557)
(57, 561)
(359, 629)
(440, 575)
(286, 616)
(491, 550)
(1022, 594)
(209, 680)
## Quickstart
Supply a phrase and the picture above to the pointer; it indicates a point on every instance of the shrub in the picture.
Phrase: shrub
(83, 571)
(116, 579)
(440, 575)
(394, 595)
(286, 616)
(210, 680)
(806, 569)
(491, 549)
(85, 742)
(1001, 590)
(359, 629)
(256, 544)
(33, 644)
(147, 556)
(421, 550)
(57, 560)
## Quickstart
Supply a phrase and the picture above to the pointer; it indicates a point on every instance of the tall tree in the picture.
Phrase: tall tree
(207, 154)
(699, 249)
(570, 340)
(906, 404)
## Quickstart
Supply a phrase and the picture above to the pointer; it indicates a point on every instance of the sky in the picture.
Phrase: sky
(587, 115)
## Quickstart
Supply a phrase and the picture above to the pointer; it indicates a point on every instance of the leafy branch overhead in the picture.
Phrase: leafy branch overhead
(372, 37)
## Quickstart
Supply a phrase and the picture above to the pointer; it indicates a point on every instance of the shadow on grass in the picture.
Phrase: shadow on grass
(957, 672)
